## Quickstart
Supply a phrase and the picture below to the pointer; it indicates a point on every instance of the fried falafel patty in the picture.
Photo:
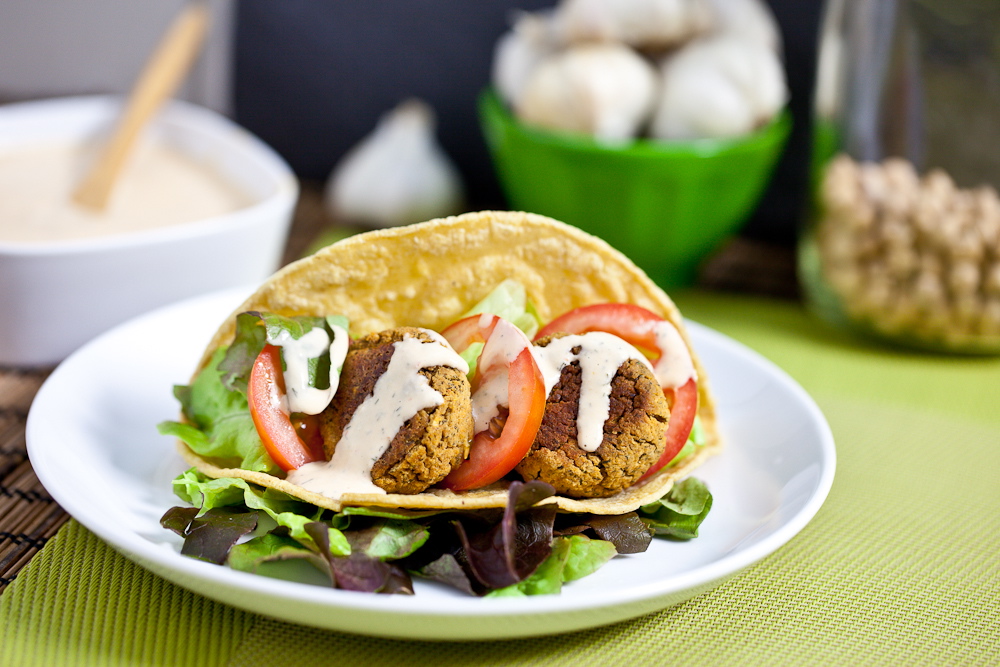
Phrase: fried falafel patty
(431, 443)
(633, 434)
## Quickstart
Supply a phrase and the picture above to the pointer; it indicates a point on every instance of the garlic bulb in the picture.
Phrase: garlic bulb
(396, 175)
(518, 51)
(722, 86)
(605, 90)
(646, 24)
(749, 19)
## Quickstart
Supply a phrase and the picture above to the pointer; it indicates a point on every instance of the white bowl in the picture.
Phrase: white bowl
(55, 296)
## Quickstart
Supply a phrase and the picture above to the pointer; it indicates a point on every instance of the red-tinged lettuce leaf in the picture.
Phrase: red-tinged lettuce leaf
(679, 513)
(448, 570)
(505, 553)
(359, 571)
(398, 582)
(237, 363)
(523, 495)
(178, 519)
(442, 558)
(572, 558)
(210, 536)
(627, 532)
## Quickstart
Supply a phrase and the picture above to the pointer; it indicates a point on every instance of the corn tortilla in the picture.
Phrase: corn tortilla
(428, 275)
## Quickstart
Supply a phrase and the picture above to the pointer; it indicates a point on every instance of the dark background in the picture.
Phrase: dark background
(313, 77)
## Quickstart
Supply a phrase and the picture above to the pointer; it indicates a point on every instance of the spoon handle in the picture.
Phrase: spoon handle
(161, 76)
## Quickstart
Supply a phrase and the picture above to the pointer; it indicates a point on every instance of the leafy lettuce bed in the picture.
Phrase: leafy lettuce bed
(524, 549)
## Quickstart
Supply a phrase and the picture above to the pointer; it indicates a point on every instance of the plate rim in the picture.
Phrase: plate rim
(166, 561)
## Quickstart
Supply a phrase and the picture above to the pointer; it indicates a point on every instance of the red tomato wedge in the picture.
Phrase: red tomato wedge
(683, 403)
(506, 349)
(265, 391)
(637, 326)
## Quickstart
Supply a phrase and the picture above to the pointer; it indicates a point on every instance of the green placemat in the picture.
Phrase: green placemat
(900, 566)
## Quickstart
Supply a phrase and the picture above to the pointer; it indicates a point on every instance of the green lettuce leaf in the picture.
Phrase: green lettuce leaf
(572, 558)
(470, 355)
(215, 406)
(388, 539)
(253, 555)
(359, 571)
(679, 513)
(695, 441)
(206, 493)
(220, 426)
(385, 513)
(509, 300)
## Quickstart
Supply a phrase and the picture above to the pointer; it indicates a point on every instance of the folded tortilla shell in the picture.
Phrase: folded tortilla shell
(428, 275)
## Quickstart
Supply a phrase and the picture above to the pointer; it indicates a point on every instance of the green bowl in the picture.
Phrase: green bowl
(667, 205)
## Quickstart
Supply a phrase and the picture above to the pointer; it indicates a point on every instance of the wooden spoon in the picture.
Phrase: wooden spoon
(163, 73)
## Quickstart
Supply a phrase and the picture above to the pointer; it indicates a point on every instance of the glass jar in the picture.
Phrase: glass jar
(903, 237)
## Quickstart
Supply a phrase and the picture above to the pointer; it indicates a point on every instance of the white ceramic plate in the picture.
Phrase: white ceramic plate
(93, 443)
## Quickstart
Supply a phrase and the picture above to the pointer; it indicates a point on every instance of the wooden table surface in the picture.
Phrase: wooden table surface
(29, 516)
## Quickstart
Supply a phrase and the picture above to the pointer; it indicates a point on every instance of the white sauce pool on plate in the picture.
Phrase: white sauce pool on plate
(600, 356)
(158, 186)
(399, 393)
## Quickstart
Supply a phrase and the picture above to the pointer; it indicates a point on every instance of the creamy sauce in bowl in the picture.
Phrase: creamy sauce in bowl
(159, 186)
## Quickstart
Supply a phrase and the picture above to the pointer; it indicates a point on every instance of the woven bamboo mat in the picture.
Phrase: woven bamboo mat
(29, 516)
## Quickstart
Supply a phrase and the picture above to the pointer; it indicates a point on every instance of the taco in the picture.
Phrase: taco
(428, 275)
(479, 284)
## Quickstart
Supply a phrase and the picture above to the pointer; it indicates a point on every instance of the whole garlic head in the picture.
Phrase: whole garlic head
(750, 19)
(722, 86)
(605, 90)
(397, 174)
(518, 51)
(646, 24)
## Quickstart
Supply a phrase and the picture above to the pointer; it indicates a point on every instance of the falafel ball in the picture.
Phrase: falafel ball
(633, 434)
(431, 443)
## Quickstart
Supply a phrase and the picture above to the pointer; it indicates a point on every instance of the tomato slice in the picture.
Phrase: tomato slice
(631, 323)
(637, 325)
(307, 428)
(683, 408)
(506, 349)
(265, 394)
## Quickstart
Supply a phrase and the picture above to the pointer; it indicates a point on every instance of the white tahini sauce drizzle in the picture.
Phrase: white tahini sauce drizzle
(600, 356)
(503, 347)
(399, 393)
(296, 354)
(674, 367)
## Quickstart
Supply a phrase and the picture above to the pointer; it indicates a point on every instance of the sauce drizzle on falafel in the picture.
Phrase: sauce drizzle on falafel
(600, 355)
(399, 394)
